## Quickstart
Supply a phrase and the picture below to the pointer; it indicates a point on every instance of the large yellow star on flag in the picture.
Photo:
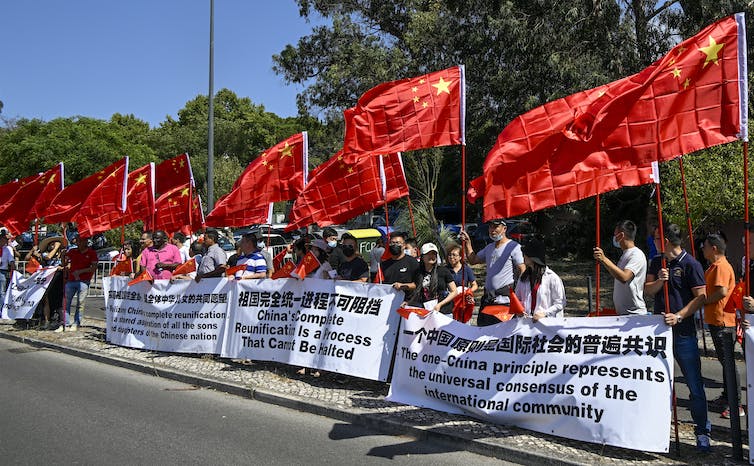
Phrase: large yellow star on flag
(184, 192)
(141, 179)
(442, 86)
(286, 151)
(711, 51)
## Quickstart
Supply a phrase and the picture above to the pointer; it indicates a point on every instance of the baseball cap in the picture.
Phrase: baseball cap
(427, 247)
(497, 221)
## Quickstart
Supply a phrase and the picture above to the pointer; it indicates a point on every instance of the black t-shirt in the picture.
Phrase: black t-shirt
(426, 290)
(400, 271)
(335, 257)
(685, 274)
(354, 269)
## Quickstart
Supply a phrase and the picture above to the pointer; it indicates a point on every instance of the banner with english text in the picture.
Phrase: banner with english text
(24, 293)
(182, 316)
(339, 326)
(591, 379)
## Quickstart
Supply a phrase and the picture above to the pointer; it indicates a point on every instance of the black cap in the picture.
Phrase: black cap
(497, 221)
(535, 250)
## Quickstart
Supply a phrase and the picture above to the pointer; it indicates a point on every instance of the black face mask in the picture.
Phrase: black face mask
(396, 249)
(348, 250)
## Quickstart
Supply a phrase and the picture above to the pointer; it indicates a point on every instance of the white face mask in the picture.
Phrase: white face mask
(616, 243)
(496, 238)
(332, 244)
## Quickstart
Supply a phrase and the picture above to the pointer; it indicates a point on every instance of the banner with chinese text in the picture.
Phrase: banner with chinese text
(589, 379)
(24, 293)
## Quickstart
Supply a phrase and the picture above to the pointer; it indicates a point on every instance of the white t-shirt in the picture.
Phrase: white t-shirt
(628, 297)
(7, 258)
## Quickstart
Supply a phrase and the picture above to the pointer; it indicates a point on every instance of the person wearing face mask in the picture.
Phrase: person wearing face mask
(629, 273)
(251, 256)
(540, 289)
(325, 271)
(334, 252)
(435, 288)
(504, 262)
(400, 269)
(262, 248)
(354, 268)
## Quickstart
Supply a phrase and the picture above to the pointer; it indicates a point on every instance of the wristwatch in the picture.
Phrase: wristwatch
(679, 319)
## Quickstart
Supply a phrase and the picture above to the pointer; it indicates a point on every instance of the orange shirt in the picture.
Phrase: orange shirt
(720, 273)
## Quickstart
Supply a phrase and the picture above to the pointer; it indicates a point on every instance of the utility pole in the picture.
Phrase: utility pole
(211, 121)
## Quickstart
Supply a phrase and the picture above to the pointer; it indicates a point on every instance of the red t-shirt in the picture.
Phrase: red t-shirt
(81, 261)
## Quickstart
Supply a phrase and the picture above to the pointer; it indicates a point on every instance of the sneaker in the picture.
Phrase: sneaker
(60, 329)
(703, 443)
(726, 412)
(74, 328)
(720, 402)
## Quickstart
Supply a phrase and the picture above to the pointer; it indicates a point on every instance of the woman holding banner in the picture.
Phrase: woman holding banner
(49, 254)
(435, 288)
(540, 290)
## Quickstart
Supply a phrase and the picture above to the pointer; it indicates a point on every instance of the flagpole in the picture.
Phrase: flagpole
(463, 187)
(746, 219)
(664, 265)
(411, 216)
(211, 117)
(597, 264)
(691, 239)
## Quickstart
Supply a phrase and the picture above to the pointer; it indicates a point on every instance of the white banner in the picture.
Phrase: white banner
(182, 317)
(23, 294)
(338, 326)
(592, 379)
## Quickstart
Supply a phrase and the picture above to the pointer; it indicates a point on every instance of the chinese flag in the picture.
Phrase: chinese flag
(463, 306)
(516, 306)
(186, 268)
(278, 260)
(284, 271)
(540, 190)
(172, 210)
(308, 264)
(32, 265)
(103, 209)
(230, 271)
(172, 173)
(408, 310)
(736, 299)
(688, 100)
(7, 191)
(34, 193)
(278, 174)
(500, 311)
(145, 276)
(122, 267)
(65, 205)
(409, 114)
(140, 198)
(344, 187)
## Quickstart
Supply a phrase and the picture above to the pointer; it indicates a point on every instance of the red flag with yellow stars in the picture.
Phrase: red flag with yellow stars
(308, 264)
(172, 210)
(186, 268)
(736, 299)
(406, 311)
(32, 265)
(32, 195)
(344, 187)
(278, 174)
(172, 173)
(140, 198)
(693, 98)
(122, 267)
(65, 205)
(105, 206)
(144, 276)
(408, 114)
(7, 191)
(284, 271)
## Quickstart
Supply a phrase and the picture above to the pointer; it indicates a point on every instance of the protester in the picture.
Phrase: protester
(462, 274)
(375, 256)
(400, 269)
(686, 293)
(50, 254)
(196, 251)
(720, 281)
(435, 288)
(262, 247)
(412, 248)
(179, 241)
(325, 271)
(145, 242)
(504, 262)
(629, 273)
(214, 260)
(334, 252)
(540, 290)
(80, 264)
(251, 256)
(161, 258)
(299, 249)
(7, 265)
(353, 268)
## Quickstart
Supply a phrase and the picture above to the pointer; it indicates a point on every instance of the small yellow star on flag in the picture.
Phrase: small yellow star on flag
(414, 89)
(686, 83)
(422, 81)
(425, 105)
(676, 72)
(711, 51)
(52, 178)
(416, 99)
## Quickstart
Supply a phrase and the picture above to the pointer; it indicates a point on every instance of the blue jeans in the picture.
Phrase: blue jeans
(3, 286)
(80, 290)
(686, 351)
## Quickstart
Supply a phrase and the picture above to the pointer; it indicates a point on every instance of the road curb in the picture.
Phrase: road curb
(381, 422)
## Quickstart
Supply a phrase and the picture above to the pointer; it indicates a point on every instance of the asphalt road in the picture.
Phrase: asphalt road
(62, 409)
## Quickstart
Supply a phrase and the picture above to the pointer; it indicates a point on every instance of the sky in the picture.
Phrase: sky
(143, 57)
